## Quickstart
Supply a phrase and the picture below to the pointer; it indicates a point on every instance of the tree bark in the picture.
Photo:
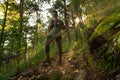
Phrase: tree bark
(20, 26)
(3, 28)
(73, 24)
(4, 23)
(66, 22)
(21, 15)
(20, 31)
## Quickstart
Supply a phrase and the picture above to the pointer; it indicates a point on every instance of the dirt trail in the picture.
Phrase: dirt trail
(71, 69)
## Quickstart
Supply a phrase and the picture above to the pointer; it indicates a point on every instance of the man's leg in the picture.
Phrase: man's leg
(47, 48)
(59, 44)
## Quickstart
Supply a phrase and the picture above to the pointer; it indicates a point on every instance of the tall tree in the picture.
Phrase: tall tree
(20, 29)
(66, 22)
(3, 28)
(21, 16)
(21, 21)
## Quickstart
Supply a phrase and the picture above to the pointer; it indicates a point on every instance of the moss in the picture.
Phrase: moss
(116, 39)
(109, 54)
(107, 23)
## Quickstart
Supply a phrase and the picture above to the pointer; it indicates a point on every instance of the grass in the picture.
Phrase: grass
(36, 56)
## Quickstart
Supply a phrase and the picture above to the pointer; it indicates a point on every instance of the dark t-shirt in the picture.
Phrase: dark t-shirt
(55, 28)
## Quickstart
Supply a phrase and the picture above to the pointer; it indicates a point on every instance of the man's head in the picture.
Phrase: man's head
(54, 14)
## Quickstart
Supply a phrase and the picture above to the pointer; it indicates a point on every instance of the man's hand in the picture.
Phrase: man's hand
(58, 24)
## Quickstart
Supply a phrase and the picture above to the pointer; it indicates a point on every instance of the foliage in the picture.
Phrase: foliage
(108, 23)
(25, 48)
(109, 51)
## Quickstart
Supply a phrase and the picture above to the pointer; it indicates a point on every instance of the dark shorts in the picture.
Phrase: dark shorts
(51, 38)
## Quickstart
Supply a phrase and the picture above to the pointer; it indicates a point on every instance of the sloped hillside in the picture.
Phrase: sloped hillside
(73, 68)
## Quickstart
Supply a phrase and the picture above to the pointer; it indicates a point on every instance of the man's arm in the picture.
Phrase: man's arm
(50, 26)
(62, 25)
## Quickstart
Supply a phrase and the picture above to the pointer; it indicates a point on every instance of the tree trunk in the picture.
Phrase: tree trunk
(20, 31)
(66, 22)
(73, 24)
(21, 24)
(2, 33)
(21, 15)
(37, 29)
(25, 52)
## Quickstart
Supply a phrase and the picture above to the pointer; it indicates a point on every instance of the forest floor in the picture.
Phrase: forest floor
(71, 69)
